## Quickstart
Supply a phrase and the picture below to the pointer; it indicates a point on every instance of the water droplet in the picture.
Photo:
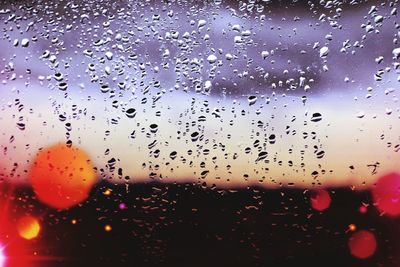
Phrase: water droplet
(63, 86)
(194, 136)
(25, 42)
(360, 114)
(201, 23)
(153, 128)
(264, 54)
(109, 55)
(316, 117)
(320, 154)
(262, 155)
(21, 126)
(396, 53)
(104, 88)
(130, 113)
(324, 51)
(252, 100)
(211, 59)
(173, 155)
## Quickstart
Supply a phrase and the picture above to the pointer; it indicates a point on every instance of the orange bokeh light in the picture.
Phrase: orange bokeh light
(107, 228)
(352, 227)
(28, 227)
(62, 176)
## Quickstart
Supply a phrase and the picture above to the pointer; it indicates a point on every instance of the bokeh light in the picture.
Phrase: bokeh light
(28, 227)
(62, 176)
(363, 209)
(320, 200)
(386, 194)
(107, 228)
(362, 244)
(2, 257)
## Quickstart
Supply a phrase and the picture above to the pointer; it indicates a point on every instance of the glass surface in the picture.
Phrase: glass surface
(199, 133)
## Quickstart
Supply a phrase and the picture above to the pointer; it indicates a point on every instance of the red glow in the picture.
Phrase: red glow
(2, 257)
(17, 251)
(362, 244)
(62, 176)
(363, 209)
(386, 194)
(321, 200)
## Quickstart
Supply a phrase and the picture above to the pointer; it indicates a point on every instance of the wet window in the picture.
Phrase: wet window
(199, 133)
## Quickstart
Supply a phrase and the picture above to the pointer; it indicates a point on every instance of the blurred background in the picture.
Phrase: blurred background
(214, 133)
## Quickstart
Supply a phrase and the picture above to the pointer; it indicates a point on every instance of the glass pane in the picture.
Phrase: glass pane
(199, 133)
